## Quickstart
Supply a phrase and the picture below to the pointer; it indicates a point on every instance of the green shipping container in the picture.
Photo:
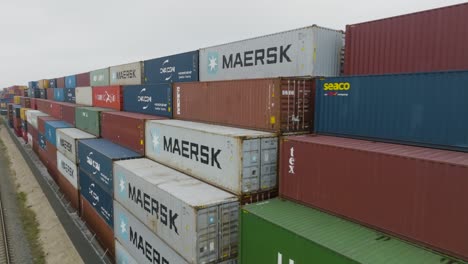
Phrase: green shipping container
(282, 232)
(89, 119)
(99, 77)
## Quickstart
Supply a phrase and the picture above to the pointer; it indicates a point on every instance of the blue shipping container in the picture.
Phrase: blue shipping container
(52, 83)
(42, 93)
(59, 94)
(70, 81)
(176, 68)
(42, 141)
(96, 157)
(17, 110)
(97, 197)
(152, 99)
(33, 85)
(69, 95)
(50, 130)
(34, 93)
(420, 109)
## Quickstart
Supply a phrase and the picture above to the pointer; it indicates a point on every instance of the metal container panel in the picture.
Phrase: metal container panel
(292, 233)
(202, 230)
(42, 141)
(43, 84)
(108, 97)
(42, 93)
(50, 94)
(153, 99)
(41, 122)
(52, 83)
(98, 197)
(127, 74)
(96, 156)
(68, 113)
(421, 109)
(176, 68)
(61, 82)
(33, 85)
(122, 256)
(132, 234)
(51, 153)
(69, 94)
(425, 41)
(51, 130)
(59, 94)
(99, 77)
(32, 115)
(386, 186)
(281, 105)
(83, 79)
(70, 81)
(68, 169)
(84, 96)
(237, 160)
(309, 51)
(89, 119)
(71, 193)
(131, 135)
(67, 142)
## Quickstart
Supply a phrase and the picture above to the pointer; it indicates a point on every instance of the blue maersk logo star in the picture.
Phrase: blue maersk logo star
(155, 140)
(122, 182)
(123, 226)
(213, 62)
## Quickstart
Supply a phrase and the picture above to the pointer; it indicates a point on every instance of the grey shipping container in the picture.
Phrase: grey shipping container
(308, 51)
(99, 77)
(126, 74)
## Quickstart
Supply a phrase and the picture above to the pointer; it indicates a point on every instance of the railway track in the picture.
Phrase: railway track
(5, 256)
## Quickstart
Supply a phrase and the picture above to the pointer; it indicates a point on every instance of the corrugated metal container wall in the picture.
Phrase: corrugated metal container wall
(292, 233)
(97, 196)
(41, 120)
(176, 68)
(96, 157)
(126, 223)
(386, 186)
(83, 79)
(59, 94)
(108, 97)
(237, 160)
(43, 93)
(84, 95)
(68, 113)
(68, 169)
(275, 105)
(70, 81)
(131, 135)
(209, 219)
(309, 51)
(61, 82)
(50, 94)
(69, 94)
(70, 192)
(67, 142)
(153, 99)
(127, 74)
(51, 130)
(422, 109)
(89, 119)
(32, 115)
(52, 83)
(122, 256)
(43, 84)
(431, 40)
(99, 77)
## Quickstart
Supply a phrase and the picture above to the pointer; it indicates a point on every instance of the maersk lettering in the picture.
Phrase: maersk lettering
(193, 151)
(66, 145)
(146, 248)
(253, 58)
(128, 74)
(153, 206)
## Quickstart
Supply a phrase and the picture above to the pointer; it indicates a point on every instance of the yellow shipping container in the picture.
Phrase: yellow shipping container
(16, 99)
(2, 105)
(23, 113)
(43, 84)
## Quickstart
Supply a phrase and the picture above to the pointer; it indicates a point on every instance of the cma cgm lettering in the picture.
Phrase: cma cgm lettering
(176, 68)
(99, 198)
(154, 99)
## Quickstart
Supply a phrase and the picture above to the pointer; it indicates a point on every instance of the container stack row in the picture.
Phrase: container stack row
(263, 151)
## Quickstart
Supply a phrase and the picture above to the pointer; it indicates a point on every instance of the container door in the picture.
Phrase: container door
(207, 230)
(250, 165)
(269, 156)
(228, 230)
(296, 105)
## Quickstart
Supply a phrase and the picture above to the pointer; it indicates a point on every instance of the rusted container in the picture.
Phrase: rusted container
(25, 102)
(411, 192)
(108, 97)
(50, 94)
(61, 82)
(33, 103)
(68, 112)
(82, 79)
(41, 122)
(130, 135)
(283, 105)
(432, 40)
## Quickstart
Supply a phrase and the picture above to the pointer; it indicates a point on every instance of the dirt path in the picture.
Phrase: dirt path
(56, 243)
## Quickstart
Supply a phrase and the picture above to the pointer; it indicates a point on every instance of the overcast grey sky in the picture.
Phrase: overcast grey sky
(53, 38)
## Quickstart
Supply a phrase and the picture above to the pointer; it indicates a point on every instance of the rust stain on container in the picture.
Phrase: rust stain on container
(416, 193)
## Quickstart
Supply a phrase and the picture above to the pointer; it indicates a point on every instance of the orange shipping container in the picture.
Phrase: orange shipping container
(108, 97)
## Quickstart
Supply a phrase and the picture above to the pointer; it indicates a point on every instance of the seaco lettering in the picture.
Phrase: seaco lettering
(150, 252)
(193, 151)
(154, 207)
(344, 86)
(128, 74)
(249, 58)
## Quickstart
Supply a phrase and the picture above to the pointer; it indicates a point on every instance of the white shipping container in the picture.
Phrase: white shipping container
(309, 51)
(122, 256)
(68, 169)
(238, 160)
(31, 117)
(127, 74)
(139, 241)
(84, 96)
(197, 220)
(67, 142)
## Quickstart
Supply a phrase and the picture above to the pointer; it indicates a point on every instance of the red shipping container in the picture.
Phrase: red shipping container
(55, 109)
(33, 132)
(283, 105)
(35, 147)
(61, 82)
(433, 40)
(70, 192)
(41, 122)
(33, 103)
(50, 94)
(68, 112)
(415, 193)
(108, 97)
(43, 105)
(25, 102)
(54, 173)
(126, 129)
(42, 153)
(51, 156)
(82, 79)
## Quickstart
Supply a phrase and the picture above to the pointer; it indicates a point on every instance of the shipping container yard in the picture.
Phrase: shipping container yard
(311, 145)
